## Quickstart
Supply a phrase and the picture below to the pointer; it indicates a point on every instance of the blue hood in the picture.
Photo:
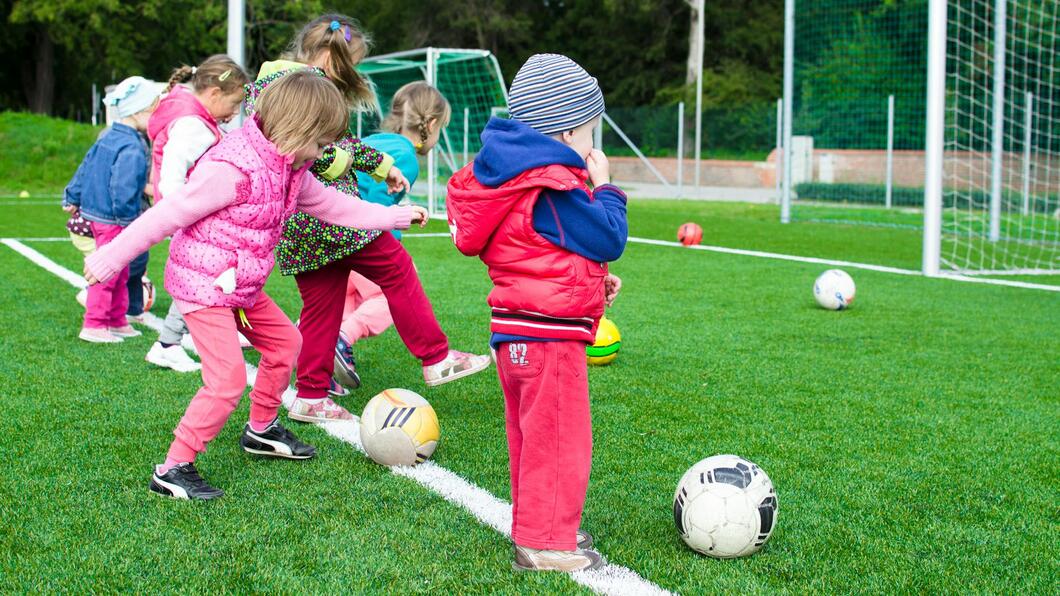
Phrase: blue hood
(510, 148)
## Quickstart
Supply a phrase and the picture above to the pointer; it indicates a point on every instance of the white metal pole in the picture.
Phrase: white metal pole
(890, 150)
(432, 164)
(699, 91)
(680, 147)
(236, 25)
(779, 145)
(598, 135)
(358, 125)
(789, 85)
(1028, 121)
(934, 136)
(95, 105)
(467, 123)
(998, 129)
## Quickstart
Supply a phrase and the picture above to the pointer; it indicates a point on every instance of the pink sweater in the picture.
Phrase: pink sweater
(212, 188)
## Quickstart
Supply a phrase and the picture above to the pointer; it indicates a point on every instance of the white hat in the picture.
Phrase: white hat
(133, 95)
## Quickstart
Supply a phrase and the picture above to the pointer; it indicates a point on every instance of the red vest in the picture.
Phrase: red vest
(540, 289)
(178, 103)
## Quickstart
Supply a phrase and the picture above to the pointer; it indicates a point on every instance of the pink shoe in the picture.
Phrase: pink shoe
(456, 365)
(98, 336)
(125, 331)
(317, 411)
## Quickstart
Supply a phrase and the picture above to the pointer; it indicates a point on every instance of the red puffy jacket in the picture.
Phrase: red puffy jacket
(540, 289)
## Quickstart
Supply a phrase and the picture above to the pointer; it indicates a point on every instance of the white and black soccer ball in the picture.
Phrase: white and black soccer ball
(725, 507)
(834, 289)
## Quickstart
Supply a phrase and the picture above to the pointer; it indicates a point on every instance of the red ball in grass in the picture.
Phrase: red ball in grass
(689, 233)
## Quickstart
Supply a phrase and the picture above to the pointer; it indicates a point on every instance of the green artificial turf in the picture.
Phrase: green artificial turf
(912, 440)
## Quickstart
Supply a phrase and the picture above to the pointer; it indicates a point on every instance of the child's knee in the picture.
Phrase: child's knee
(229, 381)
(289, 344)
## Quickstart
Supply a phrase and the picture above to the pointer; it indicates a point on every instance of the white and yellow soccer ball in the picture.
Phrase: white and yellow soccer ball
(834, 289)
(725, 507)
(399, 428)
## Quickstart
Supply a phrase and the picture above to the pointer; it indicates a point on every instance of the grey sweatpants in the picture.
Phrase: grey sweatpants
(174, 327)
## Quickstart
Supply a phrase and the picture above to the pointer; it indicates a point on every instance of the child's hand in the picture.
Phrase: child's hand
(89, 277)
(599, 168)
(396, 181)
(420, 215)
(72, 210)
(612, 284)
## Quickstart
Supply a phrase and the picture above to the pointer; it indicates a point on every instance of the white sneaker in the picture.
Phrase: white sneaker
(172, 357)
(125, 331)
(456, 365)
(98, 336)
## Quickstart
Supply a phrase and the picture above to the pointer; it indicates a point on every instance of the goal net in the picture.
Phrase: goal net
(1001, 173)
(472, 82)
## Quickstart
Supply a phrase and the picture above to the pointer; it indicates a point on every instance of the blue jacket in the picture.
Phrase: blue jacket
(593, 227)
(109, 183)
(404, 154)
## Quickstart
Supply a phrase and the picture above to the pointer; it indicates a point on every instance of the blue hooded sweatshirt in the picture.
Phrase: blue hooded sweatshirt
(591, 226)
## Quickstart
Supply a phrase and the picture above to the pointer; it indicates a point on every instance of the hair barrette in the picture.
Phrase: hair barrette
(335, 25)
(225, 75)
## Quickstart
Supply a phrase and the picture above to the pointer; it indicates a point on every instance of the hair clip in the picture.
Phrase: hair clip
(225, 75)
(349, 34)
(335, 25)
(194, 69)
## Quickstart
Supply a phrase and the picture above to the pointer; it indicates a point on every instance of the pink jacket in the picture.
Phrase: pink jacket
(178, 103)
(243, 189)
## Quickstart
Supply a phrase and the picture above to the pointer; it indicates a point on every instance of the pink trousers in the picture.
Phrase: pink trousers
(107, 302)
(224, 373)
(366, 312)
(550, 439)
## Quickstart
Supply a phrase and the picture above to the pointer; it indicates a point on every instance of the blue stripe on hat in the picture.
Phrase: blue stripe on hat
(551, 93)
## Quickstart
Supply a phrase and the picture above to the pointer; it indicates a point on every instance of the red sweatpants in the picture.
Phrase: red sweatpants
(224, 372)
(387, 264)
(550, 439)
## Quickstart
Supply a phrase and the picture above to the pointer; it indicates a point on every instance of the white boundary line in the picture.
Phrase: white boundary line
(488, 509)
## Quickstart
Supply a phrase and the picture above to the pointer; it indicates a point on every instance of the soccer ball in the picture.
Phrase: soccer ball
(149, 293)
(725, 507)
(399, 428)
(689, 234)
(605, 349)
(834, 289)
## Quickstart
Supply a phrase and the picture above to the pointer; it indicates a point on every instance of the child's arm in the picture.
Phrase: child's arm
(594, 227)
(213, 185)
(334, 207)
(189, 139)
(72, 192)
(128, 176)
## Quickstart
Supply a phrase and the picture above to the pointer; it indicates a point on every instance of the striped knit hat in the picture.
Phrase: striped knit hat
(552, 94)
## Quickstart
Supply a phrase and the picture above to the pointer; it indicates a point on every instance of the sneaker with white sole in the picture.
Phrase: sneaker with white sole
(585, 539)
(98, 335)
(317, 411)
(336, 390)
(275, 441)
(183, 481)
(172, 357)
(456, 365)
(125, 331)
(345, 363)
(533, 559)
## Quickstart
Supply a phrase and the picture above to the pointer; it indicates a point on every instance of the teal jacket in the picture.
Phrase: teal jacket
(404, 154)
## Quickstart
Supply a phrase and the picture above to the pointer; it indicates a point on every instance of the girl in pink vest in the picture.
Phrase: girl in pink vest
(225, 223)
(186, 124)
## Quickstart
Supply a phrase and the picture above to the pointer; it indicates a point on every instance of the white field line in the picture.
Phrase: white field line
(488, 509)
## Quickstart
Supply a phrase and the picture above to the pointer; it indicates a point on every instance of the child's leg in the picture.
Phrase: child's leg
(386, 263)
(322, 303)
(548, 423)
(173, 328)
(272, 334)
(106, 302)
(135, 285)
(224, 377)
(366, 312)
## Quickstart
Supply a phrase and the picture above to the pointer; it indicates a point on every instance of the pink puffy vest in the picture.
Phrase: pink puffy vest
(177, 104)
(243, 234)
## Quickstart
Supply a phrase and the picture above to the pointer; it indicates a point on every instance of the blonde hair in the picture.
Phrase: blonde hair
(413, 107)
(346, 45)
(216, 71)
(301, 108)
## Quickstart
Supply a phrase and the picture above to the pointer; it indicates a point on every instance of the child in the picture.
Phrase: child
(418, 113)
(546, 236)
(186, 124)
(321, 256)
(107, 191)
(227, 220)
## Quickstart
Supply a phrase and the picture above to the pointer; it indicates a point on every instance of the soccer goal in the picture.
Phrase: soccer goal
(992, 196)
(472, 82)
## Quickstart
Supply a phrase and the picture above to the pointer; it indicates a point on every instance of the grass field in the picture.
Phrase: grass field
(913, 439)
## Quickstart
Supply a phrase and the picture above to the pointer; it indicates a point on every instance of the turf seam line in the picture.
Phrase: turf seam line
(492, 512)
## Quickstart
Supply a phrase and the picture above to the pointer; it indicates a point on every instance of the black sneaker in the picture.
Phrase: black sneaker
(275, 441)
(346, 364)
(182, 481)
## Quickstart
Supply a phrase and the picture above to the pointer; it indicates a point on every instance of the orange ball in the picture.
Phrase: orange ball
(689, 233)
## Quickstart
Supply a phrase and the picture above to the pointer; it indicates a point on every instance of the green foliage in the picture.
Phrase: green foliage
(40, 154)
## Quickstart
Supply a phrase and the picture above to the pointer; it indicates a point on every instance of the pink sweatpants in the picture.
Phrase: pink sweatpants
(366, 313)
(224, 373)
(107, 302)
(550, 439)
